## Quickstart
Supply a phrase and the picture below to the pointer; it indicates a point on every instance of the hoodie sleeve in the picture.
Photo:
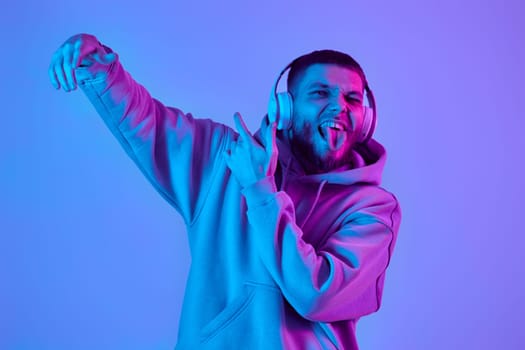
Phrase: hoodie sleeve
(176, 152)
(340, 280)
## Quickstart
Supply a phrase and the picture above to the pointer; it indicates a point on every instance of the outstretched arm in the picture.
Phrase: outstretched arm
(176, 152)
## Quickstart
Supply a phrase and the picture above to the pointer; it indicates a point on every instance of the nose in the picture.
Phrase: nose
(338, 104)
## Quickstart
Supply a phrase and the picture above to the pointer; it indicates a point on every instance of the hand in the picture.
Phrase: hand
(248, 160)
(81, 50)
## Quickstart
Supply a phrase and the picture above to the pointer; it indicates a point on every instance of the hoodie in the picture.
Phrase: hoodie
(290, 262)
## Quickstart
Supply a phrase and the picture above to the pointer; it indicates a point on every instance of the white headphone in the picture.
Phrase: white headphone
(280, 108)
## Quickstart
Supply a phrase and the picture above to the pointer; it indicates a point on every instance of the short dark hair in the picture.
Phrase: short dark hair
(300, 64)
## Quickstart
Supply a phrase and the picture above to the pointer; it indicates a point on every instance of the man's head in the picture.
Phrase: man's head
(327, 88)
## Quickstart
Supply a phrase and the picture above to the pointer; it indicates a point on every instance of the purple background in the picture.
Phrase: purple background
(91, 257)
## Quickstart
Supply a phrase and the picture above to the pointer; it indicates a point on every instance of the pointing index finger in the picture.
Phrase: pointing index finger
(241, 127)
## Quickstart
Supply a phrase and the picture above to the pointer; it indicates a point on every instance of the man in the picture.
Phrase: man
(289, 231)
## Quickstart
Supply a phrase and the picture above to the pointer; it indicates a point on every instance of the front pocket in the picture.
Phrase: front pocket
(229, 314)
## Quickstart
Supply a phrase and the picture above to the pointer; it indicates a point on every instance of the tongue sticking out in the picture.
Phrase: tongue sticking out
(334, 137)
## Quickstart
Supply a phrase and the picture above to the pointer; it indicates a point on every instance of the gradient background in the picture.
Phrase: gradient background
(91, 257)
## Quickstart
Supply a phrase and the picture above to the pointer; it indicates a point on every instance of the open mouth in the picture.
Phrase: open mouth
(333, 124)
(333, 132)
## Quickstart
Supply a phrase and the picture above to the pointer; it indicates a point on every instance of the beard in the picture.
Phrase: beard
(303, 146)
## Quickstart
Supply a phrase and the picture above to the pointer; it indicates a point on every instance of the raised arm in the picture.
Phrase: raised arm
(176, 152)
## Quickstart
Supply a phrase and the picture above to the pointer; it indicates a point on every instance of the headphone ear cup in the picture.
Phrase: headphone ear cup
(368, 117)
(272, 109)
(285, 110)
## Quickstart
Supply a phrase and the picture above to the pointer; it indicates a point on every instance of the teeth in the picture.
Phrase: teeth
(334, 125)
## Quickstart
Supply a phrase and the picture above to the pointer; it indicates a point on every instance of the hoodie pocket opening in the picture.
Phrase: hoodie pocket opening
(228, 315)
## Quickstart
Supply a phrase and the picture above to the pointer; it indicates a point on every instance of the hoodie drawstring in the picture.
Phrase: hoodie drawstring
(315, 202)
(285, 173)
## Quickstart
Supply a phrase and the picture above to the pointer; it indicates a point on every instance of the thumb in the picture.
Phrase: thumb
(104, 58)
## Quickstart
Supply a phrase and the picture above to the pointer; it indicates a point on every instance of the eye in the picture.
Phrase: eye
(321, 93)
(353, 100)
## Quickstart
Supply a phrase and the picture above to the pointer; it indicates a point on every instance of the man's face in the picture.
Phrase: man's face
(327, 116)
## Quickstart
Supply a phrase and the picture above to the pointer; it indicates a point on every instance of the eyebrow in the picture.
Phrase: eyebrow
(318, 84)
